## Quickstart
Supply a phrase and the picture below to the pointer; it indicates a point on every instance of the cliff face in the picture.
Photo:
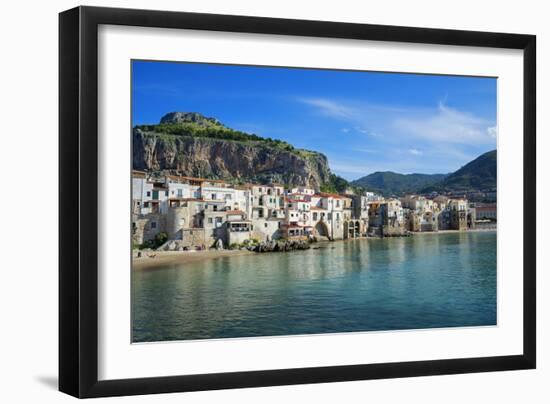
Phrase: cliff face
(249, 161)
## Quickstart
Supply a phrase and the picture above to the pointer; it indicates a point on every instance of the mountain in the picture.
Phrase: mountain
(388, 182)
(480, 173)
(190, 144)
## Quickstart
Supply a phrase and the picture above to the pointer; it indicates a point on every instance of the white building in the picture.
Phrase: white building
(302, 191)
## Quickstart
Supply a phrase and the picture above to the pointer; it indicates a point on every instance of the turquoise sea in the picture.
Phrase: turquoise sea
(424, 281)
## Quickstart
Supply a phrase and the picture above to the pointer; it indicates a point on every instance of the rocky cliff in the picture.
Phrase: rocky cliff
(192, 145)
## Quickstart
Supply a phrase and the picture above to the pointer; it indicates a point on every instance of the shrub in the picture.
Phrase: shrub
(159, 240)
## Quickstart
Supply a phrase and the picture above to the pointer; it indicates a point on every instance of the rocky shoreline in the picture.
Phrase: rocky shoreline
(279, 246)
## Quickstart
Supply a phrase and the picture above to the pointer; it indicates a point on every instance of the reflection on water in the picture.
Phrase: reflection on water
(425, 281)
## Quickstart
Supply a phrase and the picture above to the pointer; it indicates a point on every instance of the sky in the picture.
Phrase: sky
(362, 121)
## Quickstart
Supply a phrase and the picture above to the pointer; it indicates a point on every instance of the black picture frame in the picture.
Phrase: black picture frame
(78, 196)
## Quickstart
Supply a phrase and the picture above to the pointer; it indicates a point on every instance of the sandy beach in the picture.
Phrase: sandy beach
(163, 258)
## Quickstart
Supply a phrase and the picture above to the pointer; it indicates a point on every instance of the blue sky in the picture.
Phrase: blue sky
(362, 121)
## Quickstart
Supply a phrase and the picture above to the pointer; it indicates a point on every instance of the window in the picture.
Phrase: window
(265, 224)
(210, 220)
(337, 203)
(153, 225)
(228, 197)
(148, 193)
(138, 203)
(180, 193)
(315, 216)
(213, 196)
(329, 216)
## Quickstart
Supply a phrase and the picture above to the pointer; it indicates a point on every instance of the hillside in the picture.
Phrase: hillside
(388, 182)
(480, 173)
(188, 143)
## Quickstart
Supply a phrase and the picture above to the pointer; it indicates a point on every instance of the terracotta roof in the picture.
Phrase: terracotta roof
(486, 208)
(296, 200)
(234, 212)
(197, 179)
(186, 199)
(139, 174)
(328, 195)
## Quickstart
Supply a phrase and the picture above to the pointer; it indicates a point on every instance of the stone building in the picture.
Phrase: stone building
(201, 213)
(327, 216)
(458, 209)
(386, 217)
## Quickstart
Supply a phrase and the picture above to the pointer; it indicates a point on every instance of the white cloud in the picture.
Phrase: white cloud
(446, 125)
(439, 139)
(441, 124)
(329, 108)
(345, 130)
(366, 131)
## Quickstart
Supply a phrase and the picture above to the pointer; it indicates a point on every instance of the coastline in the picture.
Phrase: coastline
(422, 233)
(163, 258)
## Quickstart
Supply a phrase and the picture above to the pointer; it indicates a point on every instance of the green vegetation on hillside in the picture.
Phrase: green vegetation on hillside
(176, 128)
(336, 184)
(478, 174)
(389, 183)
(219, 132)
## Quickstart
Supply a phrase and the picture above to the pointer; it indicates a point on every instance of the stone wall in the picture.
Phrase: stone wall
(146, 227)
(192, 238)
(266, 229)
(237, 237)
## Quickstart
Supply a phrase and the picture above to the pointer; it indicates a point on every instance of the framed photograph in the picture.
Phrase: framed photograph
(251, 201)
